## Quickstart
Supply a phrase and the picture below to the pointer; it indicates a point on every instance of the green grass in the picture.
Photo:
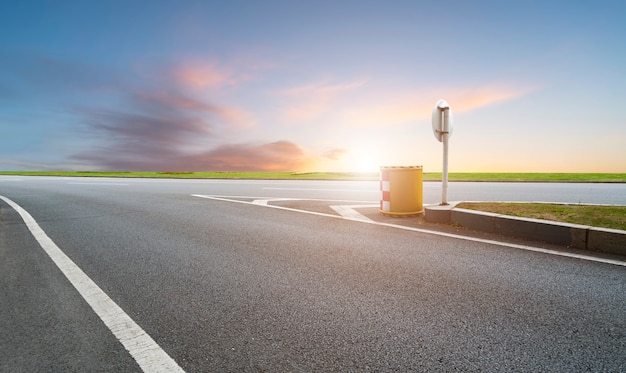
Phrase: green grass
(427, 176)
(530, 177)
(596, 216)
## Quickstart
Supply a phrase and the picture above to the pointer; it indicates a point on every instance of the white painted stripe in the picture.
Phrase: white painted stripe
(386, 186)
(348, 212)
(386, 206)
(437, 233)
(265, 201)
(230, 197)
(325, 190)
(147, 353)
(96, 184)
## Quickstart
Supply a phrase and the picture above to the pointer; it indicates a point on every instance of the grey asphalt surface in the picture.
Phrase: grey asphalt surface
(223, 286)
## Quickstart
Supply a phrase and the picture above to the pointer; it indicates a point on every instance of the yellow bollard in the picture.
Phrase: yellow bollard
(401, 189)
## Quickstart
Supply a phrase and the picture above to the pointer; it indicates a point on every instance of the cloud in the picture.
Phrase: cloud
(322, 89)
(236, 117)
(162, 122)
(157, 124)
(137, 141)
(128, 128)
(208, 75)
(167, 100)
(171, 99)
(306, 103)
(404, 107)
(275, 156)
(470, 99)
(167, 130)
(269, 157)
(335, 154)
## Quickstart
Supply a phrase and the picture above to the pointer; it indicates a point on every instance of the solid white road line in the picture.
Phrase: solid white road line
(230, 198)
(147, 353)
(437, 233)
(324, 190)
(104, 183)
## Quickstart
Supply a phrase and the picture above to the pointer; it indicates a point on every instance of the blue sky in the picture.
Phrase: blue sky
(312, 85)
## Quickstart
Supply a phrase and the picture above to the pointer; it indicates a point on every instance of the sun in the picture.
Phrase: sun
(361, 160)
(366, 164)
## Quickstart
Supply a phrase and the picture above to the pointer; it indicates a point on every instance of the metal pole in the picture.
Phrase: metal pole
(444, 138)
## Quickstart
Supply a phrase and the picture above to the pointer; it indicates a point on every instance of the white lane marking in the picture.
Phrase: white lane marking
(348, 212)
(265, 201)
(437, 233)
(147, 353)
(96, 184)
(229, 198)
(325, 190)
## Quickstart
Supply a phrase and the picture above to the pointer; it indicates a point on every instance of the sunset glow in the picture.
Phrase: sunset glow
(318, 86)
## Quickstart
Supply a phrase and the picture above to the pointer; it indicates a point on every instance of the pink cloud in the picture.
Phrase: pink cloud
(212, 75)
(237, 117)
(306, 103)
(470, 99)
(335, 154)
(322, 88)
(173, 100)
(201, 76)
(413, 106)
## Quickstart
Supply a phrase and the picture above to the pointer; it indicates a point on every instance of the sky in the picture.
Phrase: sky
(344, 86)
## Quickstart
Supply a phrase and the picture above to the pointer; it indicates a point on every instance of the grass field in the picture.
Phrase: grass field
(427, 176)
(613, 217)
(532, 177)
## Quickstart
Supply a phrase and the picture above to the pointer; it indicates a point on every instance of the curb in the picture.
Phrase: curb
(604, 240)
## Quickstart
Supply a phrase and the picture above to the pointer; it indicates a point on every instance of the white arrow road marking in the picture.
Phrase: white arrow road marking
(427, 231)
(348, 212)
(264, 202)
(147, 353)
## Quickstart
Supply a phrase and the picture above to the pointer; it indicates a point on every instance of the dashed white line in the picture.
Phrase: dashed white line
(147, 353)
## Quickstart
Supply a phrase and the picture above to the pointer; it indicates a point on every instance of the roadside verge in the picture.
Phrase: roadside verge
(611, 241)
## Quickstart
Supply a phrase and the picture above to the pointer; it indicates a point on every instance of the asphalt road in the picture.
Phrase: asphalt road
(227, 286)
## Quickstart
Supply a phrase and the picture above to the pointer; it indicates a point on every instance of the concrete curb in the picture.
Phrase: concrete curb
(582, 237)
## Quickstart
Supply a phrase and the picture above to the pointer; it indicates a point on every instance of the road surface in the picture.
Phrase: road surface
(225, 283)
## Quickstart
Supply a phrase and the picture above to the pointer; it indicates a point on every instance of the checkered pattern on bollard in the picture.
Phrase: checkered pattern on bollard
(385, 201)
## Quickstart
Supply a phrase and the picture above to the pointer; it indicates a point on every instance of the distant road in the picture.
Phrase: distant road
(226, 286)
(594, 193)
